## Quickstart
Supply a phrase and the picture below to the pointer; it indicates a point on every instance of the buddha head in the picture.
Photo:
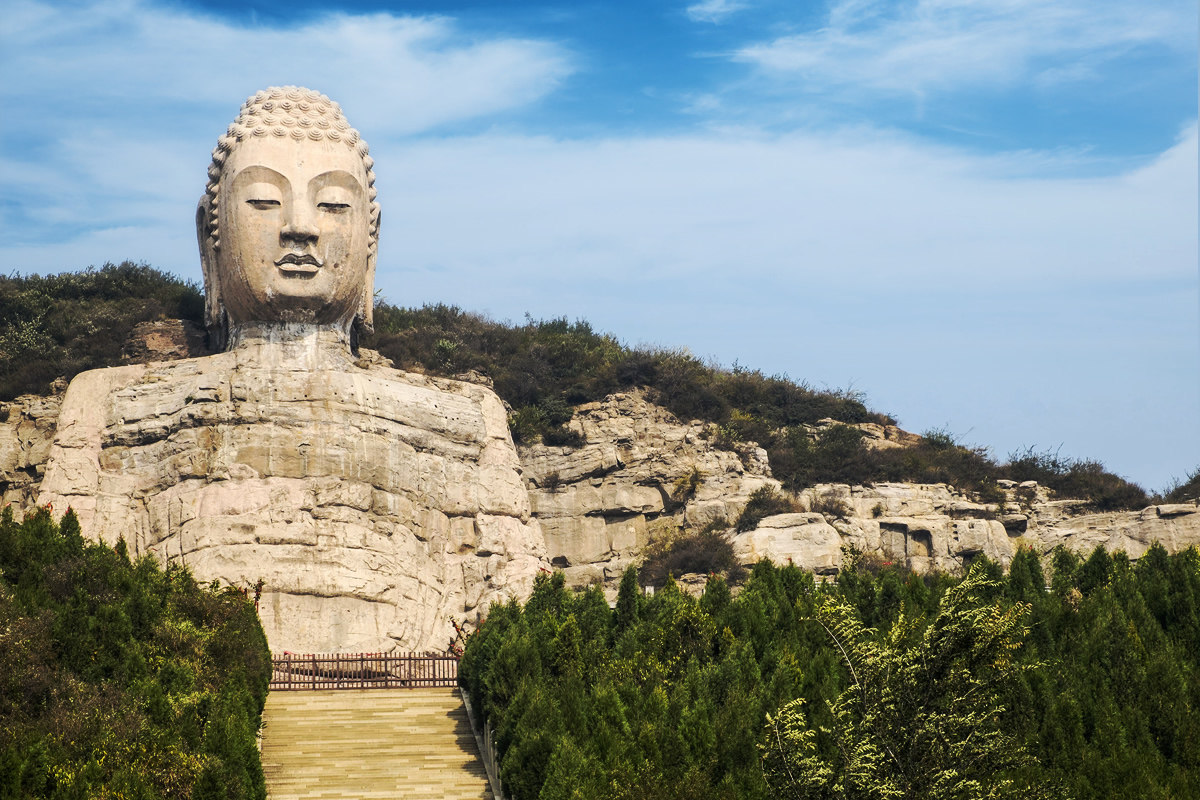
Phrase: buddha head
(288, 225)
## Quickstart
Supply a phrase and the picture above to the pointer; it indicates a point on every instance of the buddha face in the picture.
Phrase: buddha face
(294, 217)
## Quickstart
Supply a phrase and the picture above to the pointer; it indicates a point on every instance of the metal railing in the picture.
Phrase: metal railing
(295, 671)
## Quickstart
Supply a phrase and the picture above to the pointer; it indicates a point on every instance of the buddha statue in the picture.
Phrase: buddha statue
(375, 505)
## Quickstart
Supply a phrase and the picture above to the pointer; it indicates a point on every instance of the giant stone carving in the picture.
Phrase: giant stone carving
(375, 505)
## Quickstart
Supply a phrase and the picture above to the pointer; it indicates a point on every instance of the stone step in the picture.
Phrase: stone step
(380, 743)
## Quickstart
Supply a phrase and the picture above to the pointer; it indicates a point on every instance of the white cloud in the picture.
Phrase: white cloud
(928, 45)
(393, 74)
(862, 206)
(714, 11)
(111, 109)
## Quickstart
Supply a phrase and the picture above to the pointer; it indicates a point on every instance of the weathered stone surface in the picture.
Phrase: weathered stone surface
(806, 540)
(26, 434)
(375, 505)
(1175, 526)
(164, 340)
(594, 502)
(638, 454)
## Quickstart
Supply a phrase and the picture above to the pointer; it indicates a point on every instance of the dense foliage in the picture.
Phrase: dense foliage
(60, 325)
(666, 696)
(920, 716)
(119, 679)
(544, 367)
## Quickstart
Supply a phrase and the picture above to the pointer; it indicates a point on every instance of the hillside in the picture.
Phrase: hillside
(57, 326)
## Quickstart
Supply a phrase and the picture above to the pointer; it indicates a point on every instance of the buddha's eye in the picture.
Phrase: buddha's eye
(262, 204)
(333, 208)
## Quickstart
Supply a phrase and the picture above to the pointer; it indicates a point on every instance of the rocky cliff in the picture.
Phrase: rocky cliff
(375, 505)
(641, 467)
(389, 574)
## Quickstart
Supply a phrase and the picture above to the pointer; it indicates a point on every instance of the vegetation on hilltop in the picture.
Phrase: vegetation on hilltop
(119, 679)
(59, 325)
(1187, 490)
(56, 326)
(544, 367)
(1088, 689)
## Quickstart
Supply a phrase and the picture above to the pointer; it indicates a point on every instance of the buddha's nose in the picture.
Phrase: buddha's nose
(300, 228)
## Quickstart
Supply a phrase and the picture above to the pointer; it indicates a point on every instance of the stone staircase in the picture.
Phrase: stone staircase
(379, 743)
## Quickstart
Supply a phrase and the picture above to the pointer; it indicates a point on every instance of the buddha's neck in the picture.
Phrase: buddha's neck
(306, 344)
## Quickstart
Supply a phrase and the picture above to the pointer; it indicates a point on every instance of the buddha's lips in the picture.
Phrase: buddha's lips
(294, 262)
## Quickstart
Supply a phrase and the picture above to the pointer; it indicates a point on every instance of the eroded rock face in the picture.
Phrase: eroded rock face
(26, 435)
(598, 503)
(374, 504)
(595, 503)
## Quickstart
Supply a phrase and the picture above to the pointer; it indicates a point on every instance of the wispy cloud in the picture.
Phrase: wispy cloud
(397, 74)
(929, 45)
(112, 108)
(714, 11)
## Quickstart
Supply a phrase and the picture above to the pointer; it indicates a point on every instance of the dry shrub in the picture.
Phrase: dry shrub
(675, 552)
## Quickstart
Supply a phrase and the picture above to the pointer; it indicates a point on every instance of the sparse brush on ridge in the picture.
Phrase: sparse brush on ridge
(56, 326)
(1185, 491)
(59, 325)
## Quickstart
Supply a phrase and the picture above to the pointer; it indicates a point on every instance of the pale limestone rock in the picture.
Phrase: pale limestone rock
(375, 505)
(594, 502)
(637, 452)
(806, 540)
(1176, 527)
(26, 435)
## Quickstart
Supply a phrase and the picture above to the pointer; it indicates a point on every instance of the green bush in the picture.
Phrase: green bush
(703, 552)
(119, 678)
(665, 696)
(764, 502)
(55, 326)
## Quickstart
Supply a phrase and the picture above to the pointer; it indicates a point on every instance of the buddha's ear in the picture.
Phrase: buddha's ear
(366, 311)
(214, 308)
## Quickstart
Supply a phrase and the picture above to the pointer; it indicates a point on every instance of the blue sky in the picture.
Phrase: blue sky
(981, 214)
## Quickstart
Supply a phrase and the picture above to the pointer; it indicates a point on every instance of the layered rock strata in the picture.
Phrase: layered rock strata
(27, 428)
(375, 505)
(598, 504)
